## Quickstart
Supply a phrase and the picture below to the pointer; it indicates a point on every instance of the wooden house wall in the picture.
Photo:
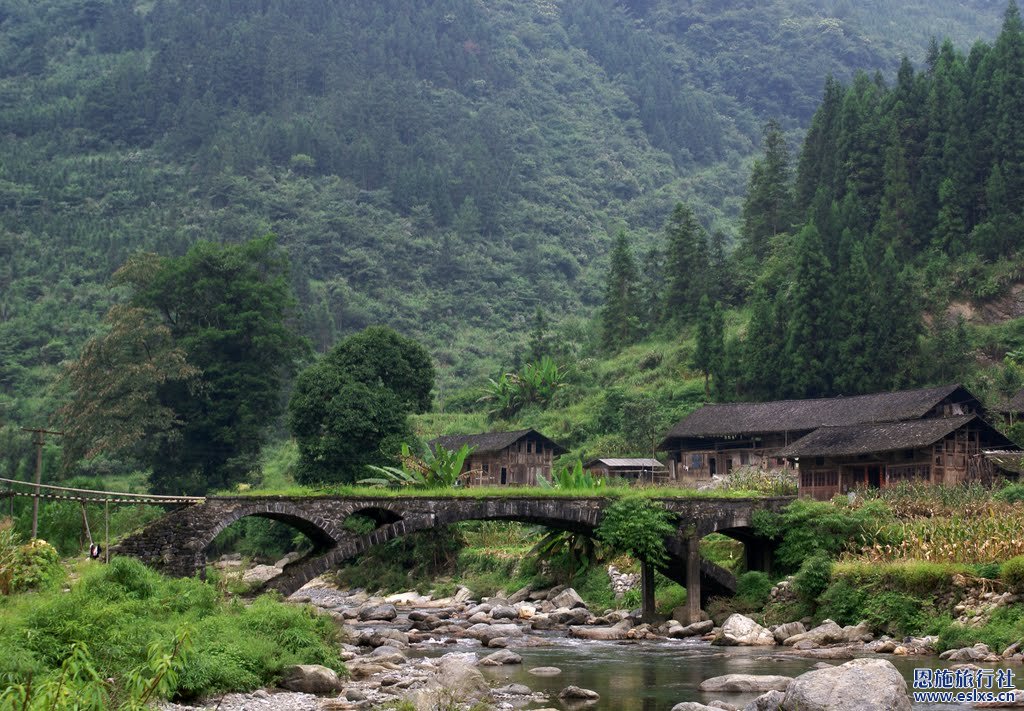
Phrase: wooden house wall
(952, 460)
(692, 463)
(521, 462)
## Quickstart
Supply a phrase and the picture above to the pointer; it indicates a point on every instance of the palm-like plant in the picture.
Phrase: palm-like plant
(438, 469)
(572, 478)
(535, 384)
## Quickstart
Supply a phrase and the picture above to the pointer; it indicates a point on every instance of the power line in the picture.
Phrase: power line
(38, 441)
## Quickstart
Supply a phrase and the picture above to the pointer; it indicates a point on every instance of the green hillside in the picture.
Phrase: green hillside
(445, 167)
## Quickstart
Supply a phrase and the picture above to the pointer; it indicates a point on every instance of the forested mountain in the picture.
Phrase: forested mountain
(444, 167)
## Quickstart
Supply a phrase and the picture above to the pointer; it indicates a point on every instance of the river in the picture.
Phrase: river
(654, 676)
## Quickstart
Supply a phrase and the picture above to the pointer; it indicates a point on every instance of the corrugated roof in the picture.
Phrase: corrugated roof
(485, 442)
(627, 463)
(866, 439)
(805, 415)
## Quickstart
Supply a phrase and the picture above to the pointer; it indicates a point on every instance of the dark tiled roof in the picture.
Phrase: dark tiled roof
(866, 439)
(806, 415)
(492, 441)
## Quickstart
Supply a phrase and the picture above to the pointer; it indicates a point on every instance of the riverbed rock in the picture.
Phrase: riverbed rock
(383, 612)
(310, 679)
(570, 616)
(828, 632)
(744, 683)
(458, 674)
(1015, 703)
(790, 629)
(260, 574)
(602, 634)
(485, 633)
(514, 690)
(697, 628)
(567, 598)
(693, 706)
(858, 685)
(504, 612)
(545, 671)
(504, 656)
(978, 653)
(771, 701)
(578, 694)
(386, 655)
(743, 631)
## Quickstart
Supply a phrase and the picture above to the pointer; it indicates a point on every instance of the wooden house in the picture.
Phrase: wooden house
(634, 470)
(931, 434)
(504, 458)
(1011, 410)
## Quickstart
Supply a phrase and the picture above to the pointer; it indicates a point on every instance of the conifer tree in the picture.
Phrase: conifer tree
(806, 353)
(761, 351)
(620, 322)
(686, 265)
(710, 351)
(768, 209)
(853, 331)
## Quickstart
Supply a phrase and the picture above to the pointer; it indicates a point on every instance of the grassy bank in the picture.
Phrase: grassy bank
(116, 614)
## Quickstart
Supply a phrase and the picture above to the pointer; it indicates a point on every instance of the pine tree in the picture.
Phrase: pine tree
(1009, 128)
(768, 209)
(686, 265)
(894, 217)
(620, 321)
(853, 328)
(761, 352)
(806, 353)
(710, 350)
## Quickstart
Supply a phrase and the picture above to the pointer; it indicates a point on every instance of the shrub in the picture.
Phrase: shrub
(1011, 493)
(807, 527)
(1012, 573)
(843, 602)
(34, 566)
(813, 577)
(989, 571)
(754, 588)
(637, 526)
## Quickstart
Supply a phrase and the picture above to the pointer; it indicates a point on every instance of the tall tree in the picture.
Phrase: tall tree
(710, 350)
(226, 307)
(620, 315)
(768, 209)
(352, 407)
(685, 264)
(809, 312)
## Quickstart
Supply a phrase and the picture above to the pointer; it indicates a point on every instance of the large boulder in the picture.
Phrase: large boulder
(260, 574)
(576, 693)
(771, 701)
(504, 612)
(828, 632)
(790, 629)
(858, 685)
(567, 598)
(570, 616)
(743, 631)
(745, 683)
(310, 679)
(378, 612)
(458, 674)
(485, 633)
(601, 634)
(504, 656)
(978, 653)
(697, 628)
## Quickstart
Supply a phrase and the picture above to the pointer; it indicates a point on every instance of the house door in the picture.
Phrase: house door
(712, 465)
(504, 475)
(865, 476)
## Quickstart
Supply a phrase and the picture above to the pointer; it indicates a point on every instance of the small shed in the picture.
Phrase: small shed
(638, 470)
(514, 458)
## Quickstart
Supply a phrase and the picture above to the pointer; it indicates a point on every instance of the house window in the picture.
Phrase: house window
(744, 458)
(487, 468)
(529, 447)
(696, 461)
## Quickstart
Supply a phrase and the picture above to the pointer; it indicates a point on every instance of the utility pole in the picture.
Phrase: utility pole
(38, 441)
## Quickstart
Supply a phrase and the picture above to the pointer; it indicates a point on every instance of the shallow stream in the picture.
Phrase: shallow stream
(654, 676)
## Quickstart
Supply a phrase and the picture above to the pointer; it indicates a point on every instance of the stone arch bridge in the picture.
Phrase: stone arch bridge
(176, 544)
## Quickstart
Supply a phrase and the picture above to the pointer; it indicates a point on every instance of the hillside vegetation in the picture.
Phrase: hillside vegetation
(441, 167)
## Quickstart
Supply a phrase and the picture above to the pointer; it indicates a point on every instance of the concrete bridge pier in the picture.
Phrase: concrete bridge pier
(693, 579)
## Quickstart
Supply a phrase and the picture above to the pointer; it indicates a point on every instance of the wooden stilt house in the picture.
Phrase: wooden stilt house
(504, 458)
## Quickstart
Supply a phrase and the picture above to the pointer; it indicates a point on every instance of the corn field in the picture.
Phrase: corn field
(991, 536)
